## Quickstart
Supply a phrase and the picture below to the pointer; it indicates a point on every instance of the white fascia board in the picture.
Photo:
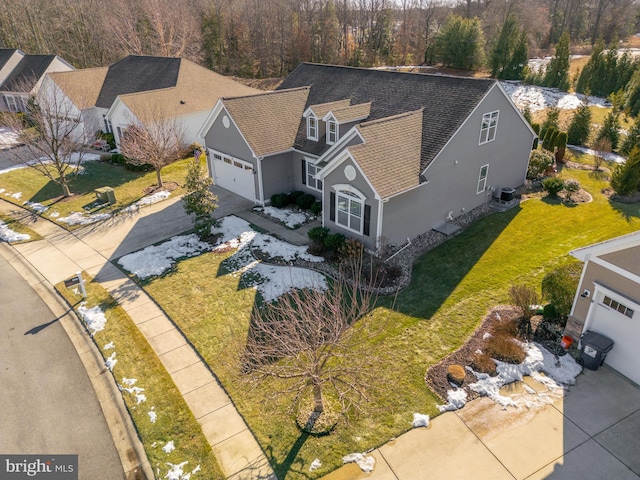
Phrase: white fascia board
(336, 162)
(328, 116)
(515, 108)
(346, 138)
(208, 122)
(608, 246)
(309, 111)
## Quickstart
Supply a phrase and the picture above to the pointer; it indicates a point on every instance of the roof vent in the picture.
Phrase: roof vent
(182, 102)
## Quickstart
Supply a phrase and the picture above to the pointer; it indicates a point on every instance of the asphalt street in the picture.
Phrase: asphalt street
(47, 403)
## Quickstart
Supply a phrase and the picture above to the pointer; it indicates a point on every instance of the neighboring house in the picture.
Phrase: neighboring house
(177, 90)
(392, 155)
(25, 79)
(74, 94)
(9, 58)
(608, 300)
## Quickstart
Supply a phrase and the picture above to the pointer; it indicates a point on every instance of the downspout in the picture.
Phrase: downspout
(381, 203)
(260, 190)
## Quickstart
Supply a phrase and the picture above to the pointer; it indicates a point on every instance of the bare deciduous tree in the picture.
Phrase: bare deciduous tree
(318, 343)
(53, 134)
(523, 297)
(157, 140)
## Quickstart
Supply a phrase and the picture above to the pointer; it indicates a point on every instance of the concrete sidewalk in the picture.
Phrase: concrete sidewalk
(61, 254)
(590, 433)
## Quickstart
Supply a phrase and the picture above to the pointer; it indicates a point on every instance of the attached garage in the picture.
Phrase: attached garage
(608, 300)
(233, 174)
(618, 318)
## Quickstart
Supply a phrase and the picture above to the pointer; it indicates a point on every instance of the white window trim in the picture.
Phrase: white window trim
(336, 133)
(489, 132)
(482, 180)
(317, 183)
(355, 196)
(309, 135)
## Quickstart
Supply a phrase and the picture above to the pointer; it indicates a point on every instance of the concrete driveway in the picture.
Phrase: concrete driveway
(590, 432)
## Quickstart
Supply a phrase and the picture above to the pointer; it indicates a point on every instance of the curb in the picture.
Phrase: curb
(133, 458)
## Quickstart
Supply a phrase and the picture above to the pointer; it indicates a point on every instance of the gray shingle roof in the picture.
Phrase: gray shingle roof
(135, 74)
(27, 73)
(447, 100)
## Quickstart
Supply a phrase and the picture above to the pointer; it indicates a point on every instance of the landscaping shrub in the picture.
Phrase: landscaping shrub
(481, 362)
(109, 138)
(456, 374)
(196, 146)
(305, 201)
(292, 197)
(561, 144)
(553, 185)
(279, 200)
(504, 348)
(549, 312)
(318, 234)
(536, 128)
(316, 208)
(539, 161)
(352, 248)
(571, 186)
(559, 287)
(334, 241)
(523, 296)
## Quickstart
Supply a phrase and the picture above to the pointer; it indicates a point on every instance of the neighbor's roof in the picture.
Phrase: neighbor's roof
(81, 86)
(6, 54)
(269, 121)
(447, 100)
(197, 89)
(26, 73)
(390, 154)
(137, 73)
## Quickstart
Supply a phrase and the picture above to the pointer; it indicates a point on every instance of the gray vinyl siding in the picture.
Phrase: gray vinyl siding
(297, 175)
(277, 176)
(453, 186)
(228, 140)
(337, 177)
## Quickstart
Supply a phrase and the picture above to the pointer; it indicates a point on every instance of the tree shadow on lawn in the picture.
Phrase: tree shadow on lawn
(437, 273)
(628, 211)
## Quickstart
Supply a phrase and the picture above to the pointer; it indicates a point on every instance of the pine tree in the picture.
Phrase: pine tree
(510, 54)
(625, 178)
(580, 126)
(199, 200)
(632, 140)
(550, 121)
(592, 71)
(460, 44)
(557, 73)
(610, 129)
(520, 58)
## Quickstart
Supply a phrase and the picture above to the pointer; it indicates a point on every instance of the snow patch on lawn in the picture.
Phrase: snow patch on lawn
(37, 207)
(111, 361)
(169, 447)
(152, 415)
(273, 281)
(79, 218)
(93, 317)
(420, 420)
(109, 346)
(236, 233)
(290, 218)
(315, 465)
(9, 235)
(539, 98)
(609, 156)
(176, 471)
(148, 200)
(364, 461)
(278, 249)
(157, 259)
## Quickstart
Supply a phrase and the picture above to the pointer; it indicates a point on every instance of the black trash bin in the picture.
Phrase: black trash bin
(594, 349)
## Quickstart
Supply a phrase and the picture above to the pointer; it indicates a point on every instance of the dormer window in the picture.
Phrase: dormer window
(332, 132)
(312, 127)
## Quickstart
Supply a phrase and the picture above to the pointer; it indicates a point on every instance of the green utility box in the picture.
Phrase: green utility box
(106, 195)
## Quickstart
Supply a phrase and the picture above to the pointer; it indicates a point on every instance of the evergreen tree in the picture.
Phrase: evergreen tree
(557, 72)
(526, 113)
(592, 71)
(520, 58)
(632, 140)
(610, 129)
(625, 178)
(550, 121)
(510, 53)
(460, 44)
(580, 126)
(199, 200)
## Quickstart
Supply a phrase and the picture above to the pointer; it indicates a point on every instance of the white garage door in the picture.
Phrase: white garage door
(233, 174)
(619, 319)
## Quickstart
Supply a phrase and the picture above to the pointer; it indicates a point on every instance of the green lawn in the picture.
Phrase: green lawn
(452, 288)
(136, 360)
(129, 187)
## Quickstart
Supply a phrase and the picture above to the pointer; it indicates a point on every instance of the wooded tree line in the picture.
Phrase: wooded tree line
(266, 38)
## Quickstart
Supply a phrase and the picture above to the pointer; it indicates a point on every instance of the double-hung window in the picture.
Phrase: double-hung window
(312, 127)
(312, 181)
(489, 127)
(482, 178)
(332, 132)
(350, 209)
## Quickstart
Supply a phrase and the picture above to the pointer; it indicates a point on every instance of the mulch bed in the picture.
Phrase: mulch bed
(436, 376)
(167, 186)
